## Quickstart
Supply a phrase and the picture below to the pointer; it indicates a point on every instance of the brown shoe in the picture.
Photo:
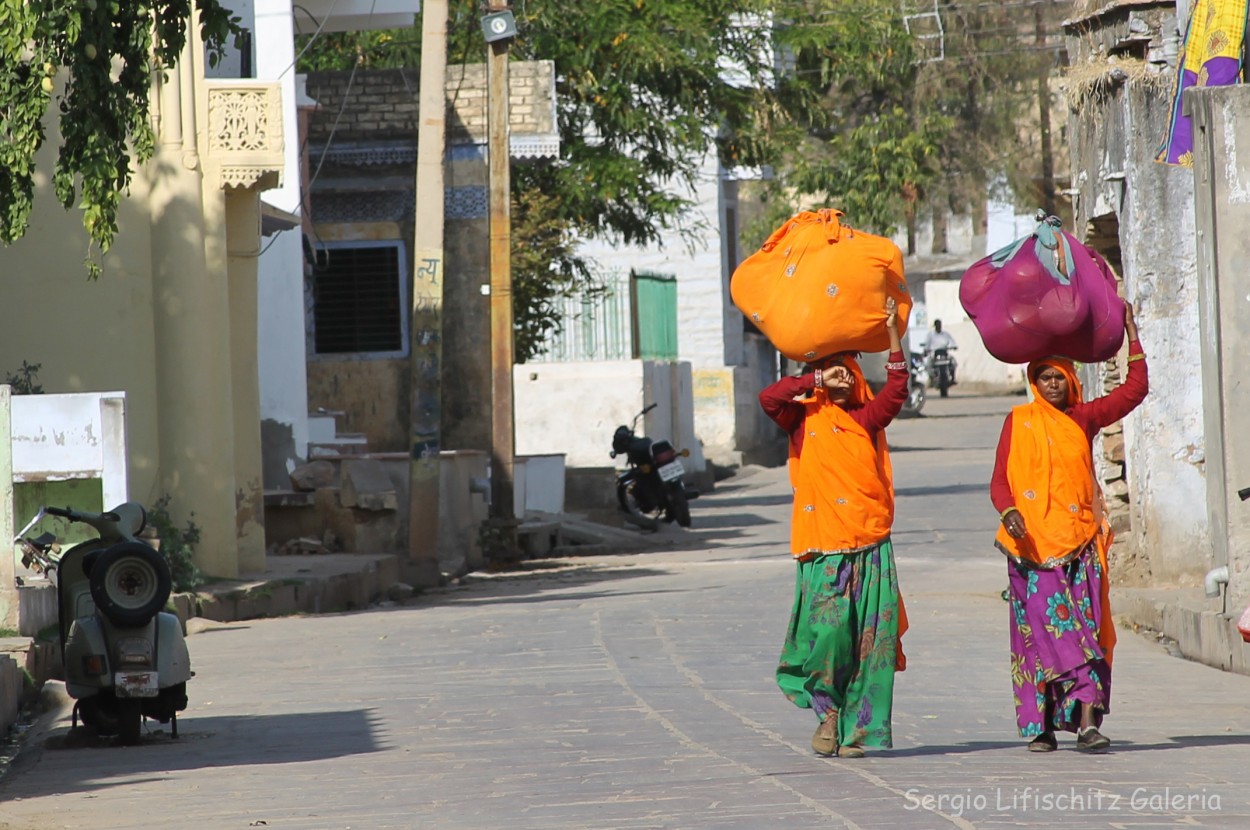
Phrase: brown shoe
(850, 752)
(825, 741)
(1044, 742)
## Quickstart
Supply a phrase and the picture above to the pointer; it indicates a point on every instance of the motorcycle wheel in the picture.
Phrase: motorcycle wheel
(130, 583)
(943, 391)
(634, 514)
(129, 721)
(678, 507)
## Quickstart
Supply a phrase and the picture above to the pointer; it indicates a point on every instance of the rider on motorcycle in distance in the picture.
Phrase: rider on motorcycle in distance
(938, 339)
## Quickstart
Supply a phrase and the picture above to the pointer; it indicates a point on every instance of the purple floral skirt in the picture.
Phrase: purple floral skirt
(1056, 662)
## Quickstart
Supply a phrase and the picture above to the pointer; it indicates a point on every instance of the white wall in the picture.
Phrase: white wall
(709, 326)
(976, 365)
(574, 408)
(701, 288)
(280, 339)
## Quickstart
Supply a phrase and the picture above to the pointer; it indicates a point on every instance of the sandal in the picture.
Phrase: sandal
(825, 741)
(1091, 740)
(1044, 742)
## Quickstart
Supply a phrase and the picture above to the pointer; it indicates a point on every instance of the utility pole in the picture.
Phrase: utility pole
(501, 334)
(1043, 107)
(426, 322)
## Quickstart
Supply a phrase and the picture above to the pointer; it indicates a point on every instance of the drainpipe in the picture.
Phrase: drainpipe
(1214, 579)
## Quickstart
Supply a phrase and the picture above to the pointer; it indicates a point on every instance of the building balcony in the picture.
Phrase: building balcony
(244, 140)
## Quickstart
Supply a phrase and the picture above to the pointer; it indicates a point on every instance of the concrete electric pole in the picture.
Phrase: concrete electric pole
(426, 324)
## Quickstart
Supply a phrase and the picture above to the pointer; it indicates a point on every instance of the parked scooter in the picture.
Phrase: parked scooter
(124, 657)
(917, 380)
(651, 488)
(942, 371)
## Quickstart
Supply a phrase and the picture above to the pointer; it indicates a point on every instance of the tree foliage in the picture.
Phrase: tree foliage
(826, 95)
(106, 52)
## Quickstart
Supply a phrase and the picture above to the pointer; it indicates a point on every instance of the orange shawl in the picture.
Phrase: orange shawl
(1050, 470)
(843, 484)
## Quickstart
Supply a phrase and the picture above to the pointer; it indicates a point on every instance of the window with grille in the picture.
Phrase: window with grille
(359, 300)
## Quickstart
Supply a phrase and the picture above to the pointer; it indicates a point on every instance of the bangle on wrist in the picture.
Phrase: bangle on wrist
(1002, 517)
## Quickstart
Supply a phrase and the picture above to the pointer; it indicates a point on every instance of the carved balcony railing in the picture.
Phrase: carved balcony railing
(244, 136)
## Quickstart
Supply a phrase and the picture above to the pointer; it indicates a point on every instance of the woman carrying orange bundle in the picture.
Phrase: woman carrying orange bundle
(1056, 538)
(842, 647)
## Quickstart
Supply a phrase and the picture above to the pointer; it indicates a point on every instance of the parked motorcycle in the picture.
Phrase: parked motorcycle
(942, 371)
(124, 657)
(917, 380)
(651, 489)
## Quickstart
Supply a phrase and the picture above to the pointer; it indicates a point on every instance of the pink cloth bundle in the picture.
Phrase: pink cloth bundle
(1045, 294)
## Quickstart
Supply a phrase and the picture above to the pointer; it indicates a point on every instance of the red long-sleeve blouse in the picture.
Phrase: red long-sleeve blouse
(778, 402)
(1091, 416)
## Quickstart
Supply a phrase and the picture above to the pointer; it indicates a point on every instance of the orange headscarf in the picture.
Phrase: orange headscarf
(843, 484)
(1051, 473)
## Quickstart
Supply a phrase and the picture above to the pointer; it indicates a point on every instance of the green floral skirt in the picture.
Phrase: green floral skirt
(842, 644)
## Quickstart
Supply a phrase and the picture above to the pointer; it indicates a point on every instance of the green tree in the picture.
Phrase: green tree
(834, 97)
(106, 50)
(641, 99)
(870, 144)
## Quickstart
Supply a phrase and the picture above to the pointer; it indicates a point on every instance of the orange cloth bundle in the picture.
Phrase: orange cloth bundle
(818, 287)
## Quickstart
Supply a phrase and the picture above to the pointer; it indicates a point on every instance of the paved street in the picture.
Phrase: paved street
(636, 692)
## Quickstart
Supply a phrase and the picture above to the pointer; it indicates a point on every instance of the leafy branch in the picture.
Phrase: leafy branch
(106, 52)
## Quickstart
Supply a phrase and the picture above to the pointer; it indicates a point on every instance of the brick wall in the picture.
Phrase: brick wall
(382, 103)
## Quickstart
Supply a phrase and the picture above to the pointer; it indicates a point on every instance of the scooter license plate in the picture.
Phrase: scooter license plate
(135, 684)
(672, 470)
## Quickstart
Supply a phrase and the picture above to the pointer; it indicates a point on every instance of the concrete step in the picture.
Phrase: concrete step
(323, 425)
(342, 444)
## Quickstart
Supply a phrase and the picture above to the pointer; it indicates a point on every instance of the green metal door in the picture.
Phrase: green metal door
(654, 315)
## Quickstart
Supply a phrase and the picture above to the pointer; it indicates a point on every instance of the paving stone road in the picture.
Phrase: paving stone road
(636, 691)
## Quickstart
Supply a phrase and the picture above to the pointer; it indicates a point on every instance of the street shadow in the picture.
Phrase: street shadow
(756, 501)
(962, 448)
(1181, 742)
(538, 580)
(1176, 742)
(942, 490)
(949, 749)
(733, 520)
(581, 596)
(203, 741)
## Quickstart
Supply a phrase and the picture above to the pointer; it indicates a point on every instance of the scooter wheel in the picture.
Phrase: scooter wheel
(129, 722)
(130, 583)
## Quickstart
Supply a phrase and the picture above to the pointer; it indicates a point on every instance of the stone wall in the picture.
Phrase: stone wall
(1118, 89)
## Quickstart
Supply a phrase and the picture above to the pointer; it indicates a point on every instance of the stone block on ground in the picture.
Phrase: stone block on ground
(314, 475)
(400, 591)
(365, 484)
(10, 692)
(216, 607)
(36, 607)
(184, 606)
(43, 661)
